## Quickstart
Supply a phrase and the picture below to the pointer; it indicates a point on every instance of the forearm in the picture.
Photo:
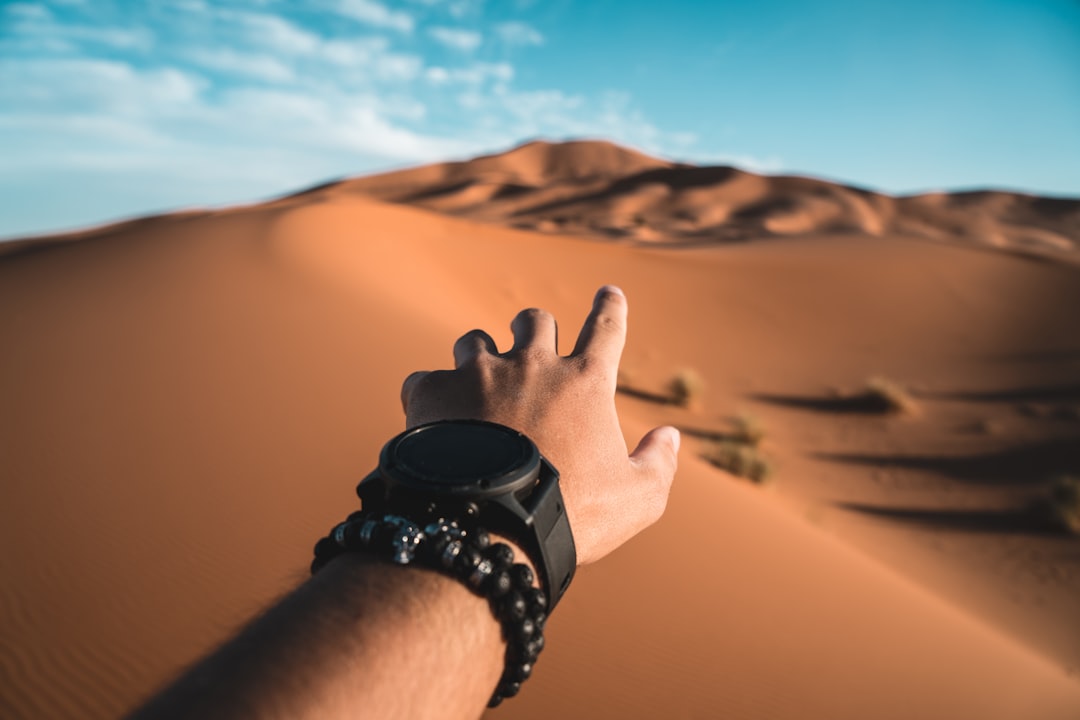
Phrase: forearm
(360, 637)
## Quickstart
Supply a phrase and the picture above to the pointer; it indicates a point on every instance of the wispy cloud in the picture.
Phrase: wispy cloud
(456, 38)
(376, 14)
(35, 28)
(518, 33)
(273, 32)
(255, 65)
(474, 74)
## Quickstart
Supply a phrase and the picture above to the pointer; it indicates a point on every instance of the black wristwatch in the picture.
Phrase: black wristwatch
(484, 474)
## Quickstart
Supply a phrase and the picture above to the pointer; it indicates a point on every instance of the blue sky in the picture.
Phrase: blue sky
(110, 109)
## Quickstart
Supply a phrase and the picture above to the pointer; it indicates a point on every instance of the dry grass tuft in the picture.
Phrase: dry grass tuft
(887, 396)
(740, 460)
(748, 430)
(1061, 506)
(686, 388)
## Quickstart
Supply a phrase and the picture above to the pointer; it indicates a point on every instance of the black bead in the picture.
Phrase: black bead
(495, 701)
(537, 600)
(523, 576)
(468, 559)
(540, 619)
(501, 554)
(500, 583)
(481, 539)
(521, 672)
(525, 630)
(533, 648)
(325, 548)
(513, 606)
(509, 689)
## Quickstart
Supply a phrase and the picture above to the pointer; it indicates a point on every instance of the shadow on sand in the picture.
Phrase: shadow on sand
(1025, 520)
(1025, 465)
(714, 435)
(864, 404)
(1044, 393)
(645, 395)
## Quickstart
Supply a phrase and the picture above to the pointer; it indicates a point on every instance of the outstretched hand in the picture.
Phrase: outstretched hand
(566, 405)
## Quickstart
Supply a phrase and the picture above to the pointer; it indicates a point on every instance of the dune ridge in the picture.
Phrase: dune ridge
(598, 189)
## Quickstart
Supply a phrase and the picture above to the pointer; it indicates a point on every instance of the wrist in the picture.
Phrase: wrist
(466, 554)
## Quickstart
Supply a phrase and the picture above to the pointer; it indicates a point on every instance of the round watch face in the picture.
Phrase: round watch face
(462, 458)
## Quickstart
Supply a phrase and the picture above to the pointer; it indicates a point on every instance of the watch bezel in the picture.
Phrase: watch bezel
(398, 471)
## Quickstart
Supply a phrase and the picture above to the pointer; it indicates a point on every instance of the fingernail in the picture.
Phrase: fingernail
(610, 289)
(676, 439)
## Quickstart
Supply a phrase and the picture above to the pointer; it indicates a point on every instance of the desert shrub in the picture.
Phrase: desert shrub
(748, 430)
(1061, 505)
(740, 460)
(686, 388)
(884, 395)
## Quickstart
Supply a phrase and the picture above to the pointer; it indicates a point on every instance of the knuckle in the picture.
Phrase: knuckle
(608, 323)
(535, 314)
(593, 370)
(474, 337)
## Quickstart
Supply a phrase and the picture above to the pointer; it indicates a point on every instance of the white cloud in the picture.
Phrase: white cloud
(354, 52)
(464, 8)
(36, 28)
(28, 11)
(274, 32)
(518, 33)
(376, 14)
(456, 38)
(397, 67)
(475, 74)
(90, 85)
(261, 66)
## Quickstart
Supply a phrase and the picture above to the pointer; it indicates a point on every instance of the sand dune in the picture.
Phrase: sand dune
(599, 189)
(189, 401)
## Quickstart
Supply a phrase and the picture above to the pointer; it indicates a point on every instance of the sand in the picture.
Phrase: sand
(189, 401)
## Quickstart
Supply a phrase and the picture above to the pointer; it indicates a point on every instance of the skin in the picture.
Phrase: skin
(385, 641)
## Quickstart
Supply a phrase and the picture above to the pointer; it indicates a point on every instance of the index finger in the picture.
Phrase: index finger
(604, 334)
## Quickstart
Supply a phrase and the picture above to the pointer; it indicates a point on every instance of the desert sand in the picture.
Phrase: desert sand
(189, 400)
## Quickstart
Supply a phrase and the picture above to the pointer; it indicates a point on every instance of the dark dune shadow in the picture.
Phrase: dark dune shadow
(865, 404)
(707, 434)
(1044, 393)
(1036, 357)
(510, 190)
(325, 185)
(436, 192)
(1016, 466)
(644, 395)
(676, 178)
(1022, 520)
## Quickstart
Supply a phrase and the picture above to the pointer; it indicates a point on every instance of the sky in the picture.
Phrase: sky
(113, 109)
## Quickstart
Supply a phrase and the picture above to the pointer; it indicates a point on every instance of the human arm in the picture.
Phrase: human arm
(383, 641)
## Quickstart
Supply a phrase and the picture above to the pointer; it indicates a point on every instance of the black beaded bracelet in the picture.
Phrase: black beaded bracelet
(468, 555)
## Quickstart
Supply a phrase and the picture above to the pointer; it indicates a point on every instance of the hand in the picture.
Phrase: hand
(566, 405)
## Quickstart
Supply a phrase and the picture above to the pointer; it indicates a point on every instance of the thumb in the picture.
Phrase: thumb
(658, 452)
